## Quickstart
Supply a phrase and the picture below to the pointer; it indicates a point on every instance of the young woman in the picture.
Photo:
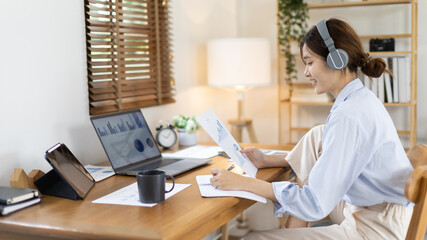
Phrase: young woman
(352, 169)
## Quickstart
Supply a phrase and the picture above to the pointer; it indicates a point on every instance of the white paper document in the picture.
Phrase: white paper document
(129, 195)
(214, 127)
(100, 172)
(197, 151)
(207, 190)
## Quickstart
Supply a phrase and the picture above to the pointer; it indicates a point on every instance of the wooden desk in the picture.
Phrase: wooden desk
(185, 215)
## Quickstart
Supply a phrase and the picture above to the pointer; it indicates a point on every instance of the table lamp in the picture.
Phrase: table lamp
(239, 64)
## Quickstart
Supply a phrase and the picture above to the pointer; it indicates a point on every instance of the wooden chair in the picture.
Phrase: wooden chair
(415, 191)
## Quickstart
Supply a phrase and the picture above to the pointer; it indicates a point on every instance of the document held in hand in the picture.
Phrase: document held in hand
(214, 127)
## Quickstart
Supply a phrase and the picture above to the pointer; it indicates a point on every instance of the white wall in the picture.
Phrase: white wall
(44, 87)
(44, 91)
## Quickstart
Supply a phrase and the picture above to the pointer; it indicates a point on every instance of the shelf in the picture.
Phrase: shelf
(302, 85)
(394, 53)
(357, 3)
(403, 132)
(397, 104)
(300, 129)
(304, 129)
(367, 37)
(307, 103)
(391, 53)
(287, 101)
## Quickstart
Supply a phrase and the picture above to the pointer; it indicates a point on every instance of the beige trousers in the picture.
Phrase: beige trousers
(382, 221)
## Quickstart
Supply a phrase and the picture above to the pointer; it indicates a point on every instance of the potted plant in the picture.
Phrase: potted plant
(293, 16)
(187, 127)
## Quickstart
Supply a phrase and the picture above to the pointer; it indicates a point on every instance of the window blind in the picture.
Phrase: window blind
(128, 55)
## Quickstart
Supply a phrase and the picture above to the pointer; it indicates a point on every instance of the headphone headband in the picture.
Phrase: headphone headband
(324, 33)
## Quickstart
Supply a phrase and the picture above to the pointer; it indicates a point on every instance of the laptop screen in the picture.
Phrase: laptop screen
(125, 137)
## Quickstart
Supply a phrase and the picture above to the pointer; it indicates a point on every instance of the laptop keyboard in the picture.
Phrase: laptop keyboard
(163, 162)
(167, 161)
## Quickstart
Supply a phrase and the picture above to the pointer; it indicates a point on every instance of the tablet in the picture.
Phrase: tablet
(70, 169)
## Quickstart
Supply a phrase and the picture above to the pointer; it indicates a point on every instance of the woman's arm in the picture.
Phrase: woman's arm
(225, 180)
(261, 160)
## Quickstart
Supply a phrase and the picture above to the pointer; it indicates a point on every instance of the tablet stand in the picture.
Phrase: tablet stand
(53, 184)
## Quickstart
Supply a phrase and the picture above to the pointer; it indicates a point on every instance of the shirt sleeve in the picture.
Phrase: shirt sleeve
(331, 177)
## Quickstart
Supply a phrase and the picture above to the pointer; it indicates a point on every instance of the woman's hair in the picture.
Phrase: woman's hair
(344, 38)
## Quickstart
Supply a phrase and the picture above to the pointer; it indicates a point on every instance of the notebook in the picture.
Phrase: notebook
(7, 209)
(131, 148)
(10, 195)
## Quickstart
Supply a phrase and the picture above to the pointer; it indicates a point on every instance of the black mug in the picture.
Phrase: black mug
(151, 185)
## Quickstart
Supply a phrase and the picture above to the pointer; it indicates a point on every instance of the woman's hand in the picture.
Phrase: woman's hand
(261, 160)
(226, 180)
(255, 155)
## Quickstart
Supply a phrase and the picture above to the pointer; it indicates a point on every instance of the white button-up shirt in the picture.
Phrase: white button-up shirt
(362, 161)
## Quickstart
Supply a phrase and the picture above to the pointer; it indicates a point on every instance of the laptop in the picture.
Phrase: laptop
(131, 148)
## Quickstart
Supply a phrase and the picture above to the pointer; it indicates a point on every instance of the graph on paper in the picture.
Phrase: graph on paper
(222, 132)
(216, 130)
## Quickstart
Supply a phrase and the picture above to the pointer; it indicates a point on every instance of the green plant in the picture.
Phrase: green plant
(293, 16)
(183, 122)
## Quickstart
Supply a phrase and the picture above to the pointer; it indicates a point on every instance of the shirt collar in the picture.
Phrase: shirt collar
(352, 86)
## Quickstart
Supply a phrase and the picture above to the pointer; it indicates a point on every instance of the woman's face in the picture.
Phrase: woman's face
(321, 76)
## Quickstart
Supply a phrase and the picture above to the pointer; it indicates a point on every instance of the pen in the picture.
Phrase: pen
(230, 167)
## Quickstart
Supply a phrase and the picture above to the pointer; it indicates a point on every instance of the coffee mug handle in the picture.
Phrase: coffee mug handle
(173, 183)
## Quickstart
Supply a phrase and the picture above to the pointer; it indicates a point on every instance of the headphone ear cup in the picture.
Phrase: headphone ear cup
(337, 60)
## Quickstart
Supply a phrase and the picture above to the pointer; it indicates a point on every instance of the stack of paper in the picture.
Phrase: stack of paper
(197, 151)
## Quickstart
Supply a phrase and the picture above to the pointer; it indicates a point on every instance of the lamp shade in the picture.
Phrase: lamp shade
(238, 62)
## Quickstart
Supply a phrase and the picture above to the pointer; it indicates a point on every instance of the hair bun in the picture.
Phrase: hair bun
(367, 59)
(372, 67)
